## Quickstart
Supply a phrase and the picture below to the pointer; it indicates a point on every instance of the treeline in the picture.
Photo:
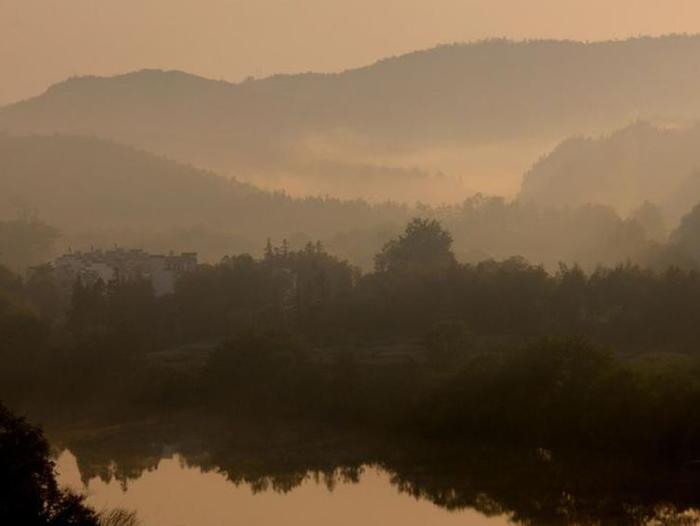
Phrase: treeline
(560, 394)
(423, 345)
(417, 283)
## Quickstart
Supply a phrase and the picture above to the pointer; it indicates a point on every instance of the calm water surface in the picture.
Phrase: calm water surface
(174, 494)
(192, 470)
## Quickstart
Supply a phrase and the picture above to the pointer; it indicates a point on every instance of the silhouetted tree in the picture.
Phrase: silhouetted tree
(424, 246)
(29, 493)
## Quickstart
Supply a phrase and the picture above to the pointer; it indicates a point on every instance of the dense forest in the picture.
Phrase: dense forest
(423, 344)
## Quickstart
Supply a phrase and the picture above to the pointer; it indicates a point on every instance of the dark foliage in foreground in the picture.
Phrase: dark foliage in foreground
(29, 494)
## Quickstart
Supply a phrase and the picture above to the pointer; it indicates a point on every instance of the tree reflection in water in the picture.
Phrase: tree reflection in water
(531, 487)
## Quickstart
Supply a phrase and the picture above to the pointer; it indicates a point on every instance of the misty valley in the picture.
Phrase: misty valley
(457, 286)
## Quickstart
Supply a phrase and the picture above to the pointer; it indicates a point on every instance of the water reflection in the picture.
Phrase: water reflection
(174, 493)
(194, 471)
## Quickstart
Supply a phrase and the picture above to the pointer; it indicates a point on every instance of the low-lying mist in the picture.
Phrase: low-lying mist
(69, 192)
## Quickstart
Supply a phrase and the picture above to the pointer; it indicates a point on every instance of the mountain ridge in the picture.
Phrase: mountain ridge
(403, 57)
(445, 110)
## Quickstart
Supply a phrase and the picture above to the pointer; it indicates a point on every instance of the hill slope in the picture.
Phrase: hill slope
(363, 131)
(636, 164)
(96, 191)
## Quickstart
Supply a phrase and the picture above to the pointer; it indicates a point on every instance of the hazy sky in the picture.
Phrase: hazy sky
(44, 41)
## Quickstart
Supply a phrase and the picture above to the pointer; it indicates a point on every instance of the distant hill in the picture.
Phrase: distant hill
(97, 191)
(481, 112)
(636, 164)
(687, 236)
(101, 193)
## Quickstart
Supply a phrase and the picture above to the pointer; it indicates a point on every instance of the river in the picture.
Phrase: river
(175, 494)
(193, 471)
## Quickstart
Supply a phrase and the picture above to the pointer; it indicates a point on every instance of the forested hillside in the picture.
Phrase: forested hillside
(635, 164)
(389, 128)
